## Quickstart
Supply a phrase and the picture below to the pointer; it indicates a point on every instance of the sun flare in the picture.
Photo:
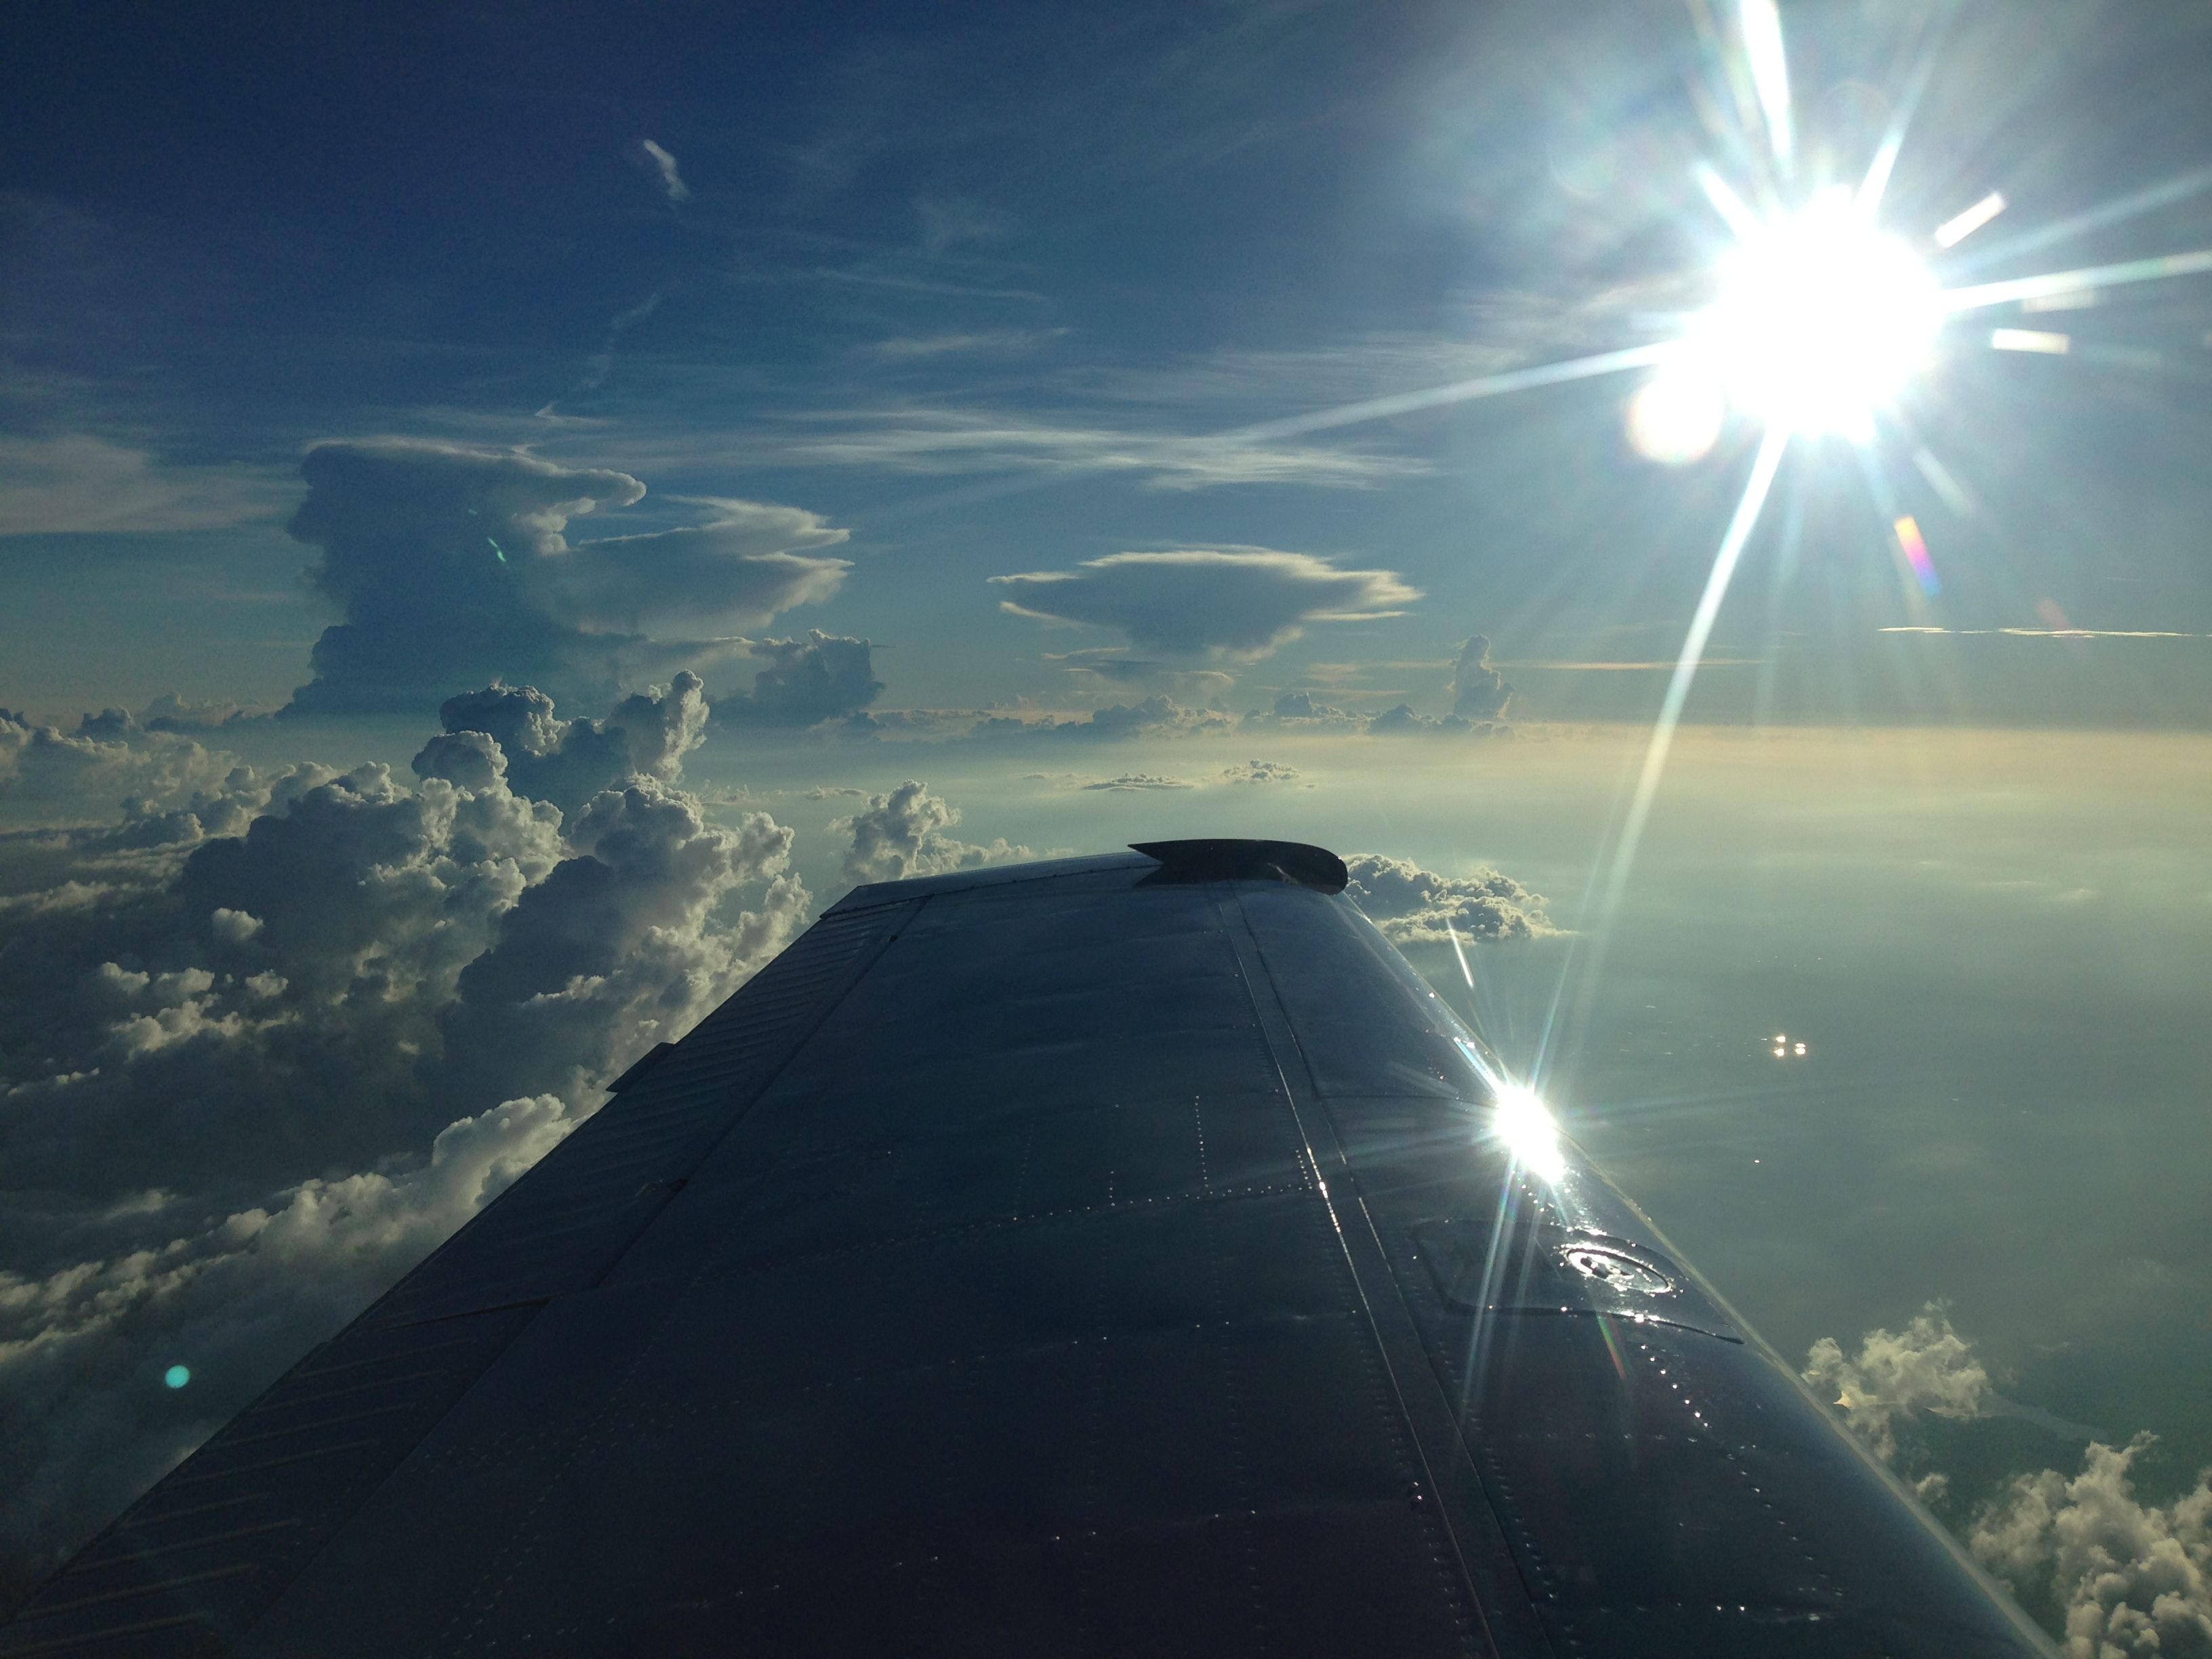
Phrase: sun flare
(1818, 320)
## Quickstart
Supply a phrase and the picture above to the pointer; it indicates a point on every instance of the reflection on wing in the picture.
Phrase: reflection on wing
(1114, 1255)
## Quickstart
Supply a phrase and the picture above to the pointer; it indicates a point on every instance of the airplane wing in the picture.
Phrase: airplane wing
(1121, 1254)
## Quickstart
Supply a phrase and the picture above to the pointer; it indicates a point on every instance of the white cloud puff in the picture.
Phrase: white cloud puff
(1413, 906)
(1927, 1366)
(2128, 1579)
(901, 833)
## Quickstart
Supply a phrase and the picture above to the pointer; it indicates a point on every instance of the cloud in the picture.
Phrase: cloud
(1155, 717)
(1135, 780)
(1240, 603)
(107, 755)
(1479, 692)
(76, 484)
(2125, 1577)
(565, 761)
(1259, 771)
(2111, 1575)
(662, 165)
(936, 442)
(822, 676)
(903, 833)
(263, 1043)
(85, 1420)
(451, 564)
(1413, 906)
(1927, 1366)
(1105, 667)
(739, 569)
(999, 342)
(1299, 711)
(601, 362)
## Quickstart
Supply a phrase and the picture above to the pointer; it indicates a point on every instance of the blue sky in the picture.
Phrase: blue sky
(983, 292)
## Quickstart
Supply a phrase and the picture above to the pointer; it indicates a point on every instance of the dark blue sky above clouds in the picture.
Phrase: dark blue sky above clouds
(984, 290)
(804, 401)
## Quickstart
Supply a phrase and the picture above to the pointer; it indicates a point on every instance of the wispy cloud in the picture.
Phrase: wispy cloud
(663, 165)
(951, 442)
(75, 482)
(996, 341)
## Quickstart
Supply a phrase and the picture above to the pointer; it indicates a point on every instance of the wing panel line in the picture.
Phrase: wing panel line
(1505, 1609)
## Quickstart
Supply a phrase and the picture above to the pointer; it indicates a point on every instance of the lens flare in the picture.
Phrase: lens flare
(1528, 1131)
(1820, 320)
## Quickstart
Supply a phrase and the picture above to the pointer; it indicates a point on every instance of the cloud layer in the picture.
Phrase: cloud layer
(264, 1041)
(1233, 602)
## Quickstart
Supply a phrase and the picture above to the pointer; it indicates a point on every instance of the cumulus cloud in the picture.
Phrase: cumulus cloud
(108, 754)
(1136, 781)
(903, 833)
(1259, 771)
(450, 563)
(1302, 711)
(1413, 906)
(1479, 692)
(263, 1043)
(1927, 1366)
(565, 761)
(823, 676)
(1241, 602)
(2123, 1578)
(662, 166)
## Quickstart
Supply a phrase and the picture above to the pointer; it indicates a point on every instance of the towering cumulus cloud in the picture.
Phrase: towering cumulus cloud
(263, 1044)
(451, 564)
(1479, 692)
(565, 761)
(1237, 602)
(903, 833)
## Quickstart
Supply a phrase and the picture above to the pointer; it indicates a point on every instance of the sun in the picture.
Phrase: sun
(1818, 320)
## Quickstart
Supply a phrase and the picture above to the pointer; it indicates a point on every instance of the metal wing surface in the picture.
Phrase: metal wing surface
(1110, 1256)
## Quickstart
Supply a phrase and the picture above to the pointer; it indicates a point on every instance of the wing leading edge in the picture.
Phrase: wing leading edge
(1108, 1254)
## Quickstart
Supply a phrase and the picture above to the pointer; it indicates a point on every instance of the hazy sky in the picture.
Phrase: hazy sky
(805, 400)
